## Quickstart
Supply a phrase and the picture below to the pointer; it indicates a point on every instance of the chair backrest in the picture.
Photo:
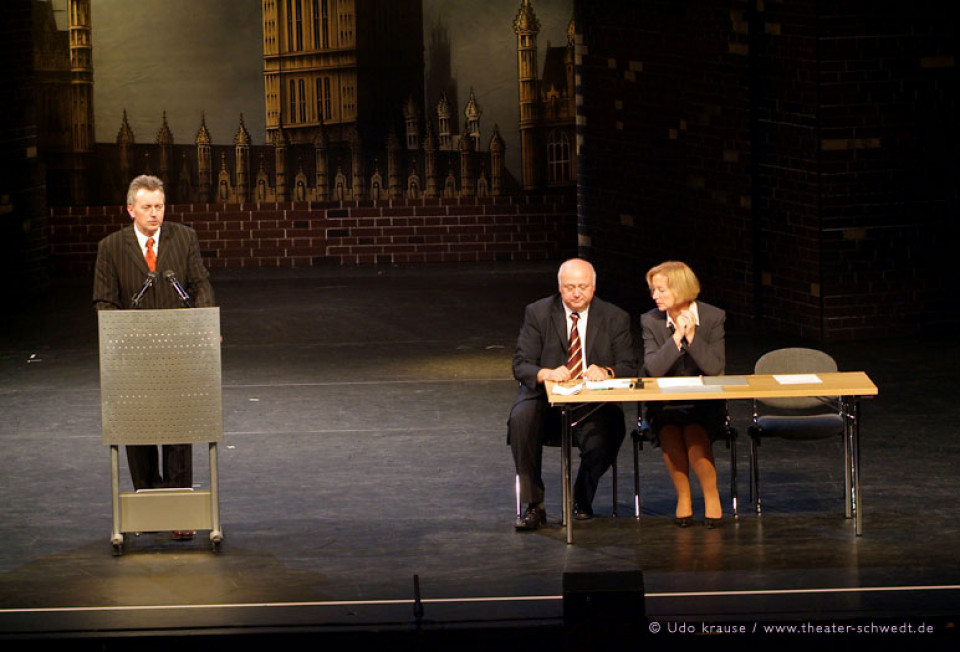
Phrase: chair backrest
(794, 361)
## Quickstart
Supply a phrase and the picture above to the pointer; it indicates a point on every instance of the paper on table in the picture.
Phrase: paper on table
(610, 383)
(797, 379)
(680, 381)
(567, 390)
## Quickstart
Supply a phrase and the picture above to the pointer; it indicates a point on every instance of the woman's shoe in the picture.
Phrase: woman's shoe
(683, 521)
(712, 523)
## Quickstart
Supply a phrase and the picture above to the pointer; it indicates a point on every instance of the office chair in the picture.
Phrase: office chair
(798, 419)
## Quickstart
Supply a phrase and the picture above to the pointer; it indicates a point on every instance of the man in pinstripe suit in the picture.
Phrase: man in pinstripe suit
(124, 260)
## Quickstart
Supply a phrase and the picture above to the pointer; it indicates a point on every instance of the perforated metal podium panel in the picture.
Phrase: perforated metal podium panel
(160, 378)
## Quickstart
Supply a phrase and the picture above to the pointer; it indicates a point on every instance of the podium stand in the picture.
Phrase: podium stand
(160, 383)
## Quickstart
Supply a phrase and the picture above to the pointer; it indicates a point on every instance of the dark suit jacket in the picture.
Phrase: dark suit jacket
(543, 342)
(121, 270)
(706, 356)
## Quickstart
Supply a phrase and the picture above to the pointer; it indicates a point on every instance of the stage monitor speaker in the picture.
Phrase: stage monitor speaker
(603, 596)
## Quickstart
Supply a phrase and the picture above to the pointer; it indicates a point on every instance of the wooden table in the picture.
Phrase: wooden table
(848, 387)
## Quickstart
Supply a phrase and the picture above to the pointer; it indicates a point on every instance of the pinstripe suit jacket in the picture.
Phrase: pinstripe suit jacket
(121, 270)
(543, 342)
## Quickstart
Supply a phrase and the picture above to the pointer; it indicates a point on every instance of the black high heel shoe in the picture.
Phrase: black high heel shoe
(683, 521)
(712, 523)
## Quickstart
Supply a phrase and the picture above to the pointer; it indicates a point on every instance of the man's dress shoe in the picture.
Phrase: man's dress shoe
(532, 519)
(582, 512)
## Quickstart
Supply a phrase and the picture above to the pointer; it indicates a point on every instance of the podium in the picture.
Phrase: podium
(160, 383)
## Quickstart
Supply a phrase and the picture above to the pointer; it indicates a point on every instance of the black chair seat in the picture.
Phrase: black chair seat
(799, 428)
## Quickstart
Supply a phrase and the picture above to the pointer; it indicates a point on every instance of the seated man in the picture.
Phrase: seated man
(566, 336)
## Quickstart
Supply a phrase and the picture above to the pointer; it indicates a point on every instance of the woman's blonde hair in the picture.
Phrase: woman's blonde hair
(680, 279)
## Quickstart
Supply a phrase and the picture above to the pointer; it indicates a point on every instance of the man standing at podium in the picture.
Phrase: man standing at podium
(567, 336)
(165, 255)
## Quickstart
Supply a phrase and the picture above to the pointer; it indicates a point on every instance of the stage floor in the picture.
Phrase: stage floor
(364, 455)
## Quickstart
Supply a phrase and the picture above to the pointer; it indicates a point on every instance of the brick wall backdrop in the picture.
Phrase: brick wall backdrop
(307, 234)
(888, 167)
(23, 217)
(800, 155)
(664, 118)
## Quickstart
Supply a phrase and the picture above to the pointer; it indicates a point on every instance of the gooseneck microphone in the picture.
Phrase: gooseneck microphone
(184, 297)
(147, 284)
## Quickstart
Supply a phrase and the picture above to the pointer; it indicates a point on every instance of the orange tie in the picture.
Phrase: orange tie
(151, 256)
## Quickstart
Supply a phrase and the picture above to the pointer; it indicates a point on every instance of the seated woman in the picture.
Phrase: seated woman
(685, 337)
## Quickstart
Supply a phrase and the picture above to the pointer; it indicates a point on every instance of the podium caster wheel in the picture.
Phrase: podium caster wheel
(116, 543)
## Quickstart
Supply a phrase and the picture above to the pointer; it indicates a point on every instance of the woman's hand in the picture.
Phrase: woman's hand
(686, 327)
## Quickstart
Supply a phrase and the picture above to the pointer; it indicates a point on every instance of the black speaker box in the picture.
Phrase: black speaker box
(603, 596)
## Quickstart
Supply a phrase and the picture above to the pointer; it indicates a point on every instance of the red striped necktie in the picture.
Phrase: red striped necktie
(575, 356)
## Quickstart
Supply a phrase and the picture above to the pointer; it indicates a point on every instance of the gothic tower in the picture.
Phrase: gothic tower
(241, 142)
(204, 160)
(527, 26)
(81, 79)
(346, 65)
(440, 79)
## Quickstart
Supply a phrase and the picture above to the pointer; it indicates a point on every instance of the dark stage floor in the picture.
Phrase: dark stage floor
(364, 417)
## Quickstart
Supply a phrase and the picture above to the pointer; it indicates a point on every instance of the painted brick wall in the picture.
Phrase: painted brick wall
(343, 233)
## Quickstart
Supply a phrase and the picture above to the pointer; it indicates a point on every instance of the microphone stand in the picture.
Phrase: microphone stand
(184, 297)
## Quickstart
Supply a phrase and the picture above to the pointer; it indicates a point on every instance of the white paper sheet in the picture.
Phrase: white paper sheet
(797, 379)
(610, 383)
(567, 390)
(680, 381)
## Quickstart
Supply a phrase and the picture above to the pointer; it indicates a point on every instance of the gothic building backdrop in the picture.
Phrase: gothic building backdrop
(348, 113)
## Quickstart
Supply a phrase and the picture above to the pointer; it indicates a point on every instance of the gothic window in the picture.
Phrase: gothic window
(324, 24)
(482, 188)
(302, 100)
(298, 101)
(319, 83)
(450, 186)
(558, 157)
(293, 101)
(289, 17)
(294, 25)
(326, 98)
(323, 98)
(299, 24)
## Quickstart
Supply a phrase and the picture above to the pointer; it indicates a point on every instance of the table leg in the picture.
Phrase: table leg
(566, 451)
(848, 475)
(857, 503)
(850, 407)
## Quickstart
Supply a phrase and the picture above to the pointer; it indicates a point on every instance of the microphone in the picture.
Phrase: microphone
(184, 297)
(147, 284)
